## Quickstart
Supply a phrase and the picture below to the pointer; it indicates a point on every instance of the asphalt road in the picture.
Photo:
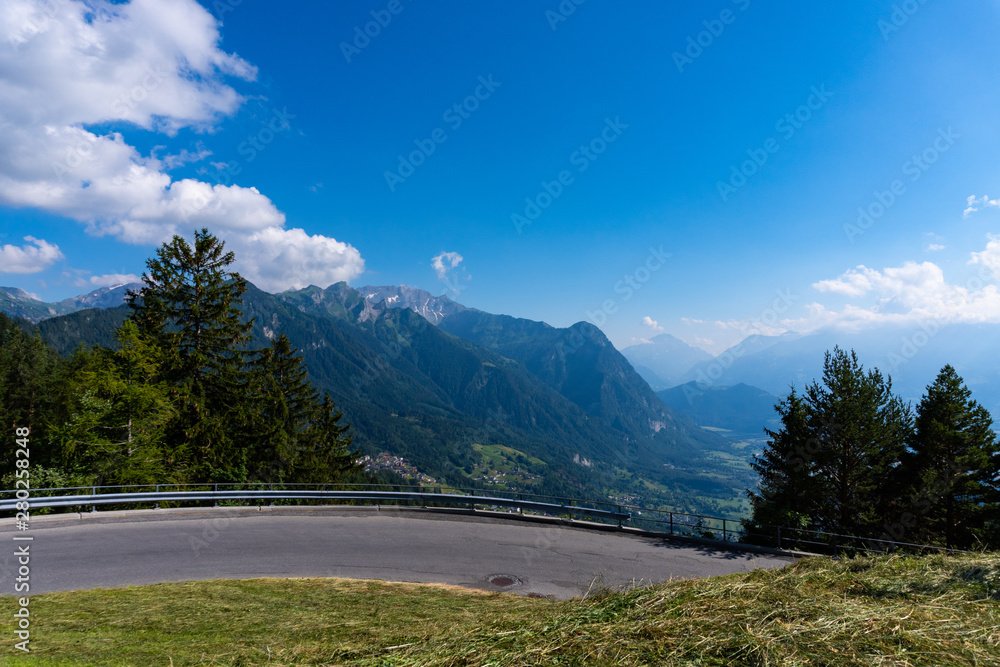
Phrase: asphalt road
(114, 549)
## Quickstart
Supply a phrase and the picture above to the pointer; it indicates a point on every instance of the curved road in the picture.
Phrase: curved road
(113, 549)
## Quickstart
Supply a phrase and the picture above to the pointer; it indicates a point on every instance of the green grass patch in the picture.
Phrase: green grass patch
(935, 610)
(501, 457)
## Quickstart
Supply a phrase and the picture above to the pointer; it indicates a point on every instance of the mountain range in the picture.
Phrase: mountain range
(15, 302)
(425, 377)
(664, 360)
(449, 387)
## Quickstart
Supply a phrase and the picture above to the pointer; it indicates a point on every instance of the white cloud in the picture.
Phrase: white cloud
(184, 157)
(158, 65)
(276, 259)
(647, 321)
(445, 262)
(906, 294)
(855, 282)
(37, 255)
(114, 279)
(990, 257)
(933, 247)
(974, 204)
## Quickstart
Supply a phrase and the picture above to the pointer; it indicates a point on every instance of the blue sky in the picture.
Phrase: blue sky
(689, 168)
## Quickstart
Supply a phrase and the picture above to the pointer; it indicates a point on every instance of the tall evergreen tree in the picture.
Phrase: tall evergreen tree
(833, 466)
(286, 404)
(326, 455)
(785, 494)
(954, 466)
(118, 414)
(29, 391)
(189, 306)
(861, 429)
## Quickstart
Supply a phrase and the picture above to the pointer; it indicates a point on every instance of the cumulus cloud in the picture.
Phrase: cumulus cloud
(276, 259)
(974, 204)
(445, 262)
(446, 266)
(71, 65)
(933, 247)
(907, 294)
(648, 321)
(32, 257)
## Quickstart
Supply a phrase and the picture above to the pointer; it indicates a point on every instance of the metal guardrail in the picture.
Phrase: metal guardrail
(93, 499)
(665, 522)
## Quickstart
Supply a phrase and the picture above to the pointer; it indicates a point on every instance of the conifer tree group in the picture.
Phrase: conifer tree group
(182, 397)
(851, 458)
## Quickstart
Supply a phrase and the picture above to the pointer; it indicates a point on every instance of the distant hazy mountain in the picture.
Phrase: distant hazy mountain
(663, 361)
(742, 410)
(18, 303)
(911, 356)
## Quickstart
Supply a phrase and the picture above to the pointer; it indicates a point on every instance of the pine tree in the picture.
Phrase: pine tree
(29, 391)
(287, 403)
(785, 495)
(833, 466)
(326, 455)
(189, 306)
(954, 463)
(860, 430)
(118, 414)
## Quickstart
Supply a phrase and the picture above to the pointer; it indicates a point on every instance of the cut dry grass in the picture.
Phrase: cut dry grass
(935, 610)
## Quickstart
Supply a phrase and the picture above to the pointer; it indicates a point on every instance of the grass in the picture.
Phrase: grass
(935, 610)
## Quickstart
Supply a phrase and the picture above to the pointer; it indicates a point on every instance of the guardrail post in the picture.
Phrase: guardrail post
(215, 490)
(671, 523)
(619, 516)
(725, 537)
(779, 537)
(157, 505)
(93, 492)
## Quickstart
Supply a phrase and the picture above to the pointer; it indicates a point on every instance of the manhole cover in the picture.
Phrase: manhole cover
(503, 580)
